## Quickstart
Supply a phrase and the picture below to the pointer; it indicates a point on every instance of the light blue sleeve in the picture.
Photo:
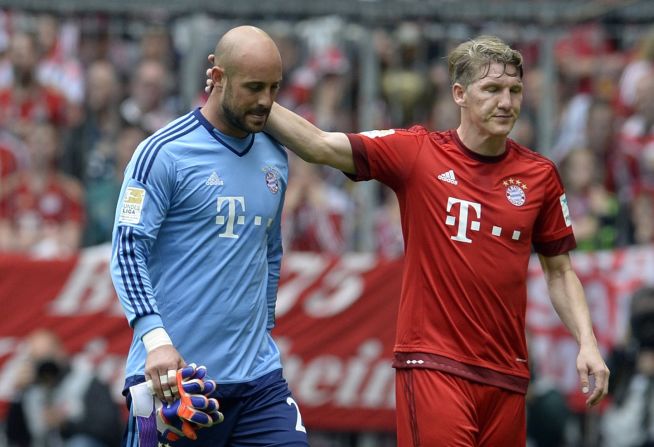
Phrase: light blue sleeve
(143, 204)
(275, 252)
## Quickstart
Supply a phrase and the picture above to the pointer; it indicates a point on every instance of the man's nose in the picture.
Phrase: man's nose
(266, 98)
(505, 99)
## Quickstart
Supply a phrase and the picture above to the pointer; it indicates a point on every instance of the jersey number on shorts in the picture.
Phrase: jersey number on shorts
(298, 423)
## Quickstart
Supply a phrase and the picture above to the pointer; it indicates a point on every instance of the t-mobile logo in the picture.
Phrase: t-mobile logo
(231, 215)
(464, 206)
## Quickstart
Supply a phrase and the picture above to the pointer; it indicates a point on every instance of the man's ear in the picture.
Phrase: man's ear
(217, 76)
(459, 94)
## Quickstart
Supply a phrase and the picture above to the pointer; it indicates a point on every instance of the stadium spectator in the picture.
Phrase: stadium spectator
(404, 83)
(156, 45)
(641, 64)
(534, 88)
(149, 105)
(90, 151)
(58, 66)
(600, 133)
(330, 92)
(629, 421)
(585, 56)
(316, 215)
(635, 145)
(128, 139)
(291, 50)
(593, 209)
(460, 336)
(642, 219)
(548, 415)
(41, 209)
(12, 153)
(587, 120)
(8, 162)
(59, 402)
(26, 101)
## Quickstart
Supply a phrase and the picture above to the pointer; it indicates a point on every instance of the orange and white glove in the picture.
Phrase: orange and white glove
(193, 410)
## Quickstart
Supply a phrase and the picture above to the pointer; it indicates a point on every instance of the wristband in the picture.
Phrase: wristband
(155, 338)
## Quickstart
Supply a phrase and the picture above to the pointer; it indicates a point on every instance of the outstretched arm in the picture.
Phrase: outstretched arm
(310, 143)
(306, 140)
(569, 301)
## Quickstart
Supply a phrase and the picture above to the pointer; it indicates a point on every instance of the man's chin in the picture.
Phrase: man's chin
(501, 131)
(256, 124)
(256, 129)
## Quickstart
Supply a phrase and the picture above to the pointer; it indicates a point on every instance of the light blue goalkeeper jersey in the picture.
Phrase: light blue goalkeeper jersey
(197, 246)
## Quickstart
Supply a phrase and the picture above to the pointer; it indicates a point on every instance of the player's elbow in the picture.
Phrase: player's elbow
(319, 156)
(333, 149)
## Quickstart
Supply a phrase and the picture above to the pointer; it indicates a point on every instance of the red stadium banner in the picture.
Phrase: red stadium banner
(335, 324)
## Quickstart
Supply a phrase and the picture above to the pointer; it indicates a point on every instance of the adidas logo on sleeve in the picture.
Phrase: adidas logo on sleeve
(448, 177)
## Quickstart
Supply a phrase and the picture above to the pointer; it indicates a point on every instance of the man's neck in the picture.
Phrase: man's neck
(482, 144)
(211, 110)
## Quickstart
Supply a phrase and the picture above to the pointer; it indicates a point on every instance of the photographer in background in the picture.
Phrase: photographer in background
(629, 422)
(59, 404)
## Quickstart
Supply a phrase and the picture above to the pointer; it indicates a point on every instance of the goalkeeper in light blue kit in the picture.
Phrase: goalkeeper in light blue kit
(196, 257)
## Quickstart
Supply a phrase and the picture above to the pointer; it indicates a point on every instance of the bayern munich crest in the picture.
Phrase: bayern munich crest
(272, 179)
(515, 191)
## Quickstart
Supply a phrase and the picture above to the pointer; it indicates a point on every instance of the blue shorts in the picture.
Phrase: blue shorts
(257, 413)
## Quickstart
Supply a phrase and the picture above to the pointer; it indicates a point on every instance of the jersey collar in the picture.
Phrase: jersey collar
(474, 155)
(239, 146)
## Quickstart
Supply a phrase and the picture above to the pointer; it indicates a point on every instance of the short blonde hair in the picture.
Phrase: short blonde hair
(471, 60)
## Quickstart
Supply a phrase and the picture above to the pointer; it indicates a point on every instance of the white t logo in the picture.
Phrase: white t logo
(231, 215)
(464, 205)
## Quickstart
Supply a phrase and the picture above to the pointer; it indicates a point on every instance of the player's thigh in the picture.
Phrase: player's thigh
(502, 419)
(434, 409)
(276, 423)
(218, 435)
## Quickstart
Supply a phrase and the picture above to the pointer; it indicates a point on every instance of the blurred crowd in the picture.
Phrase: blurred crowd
(76, 97)
(58, 401)
(77, 94)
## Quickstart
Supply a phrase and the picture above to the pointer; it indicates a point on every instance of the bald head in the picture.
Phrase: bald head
(244, 48)
(245, 78)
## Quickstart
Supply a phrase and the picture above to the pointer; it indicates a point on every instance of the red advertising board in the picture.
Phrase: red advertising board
(335, 324)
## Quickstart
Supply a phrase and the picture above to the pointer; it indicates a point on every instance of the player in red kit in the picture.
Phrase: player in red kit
(473, 204)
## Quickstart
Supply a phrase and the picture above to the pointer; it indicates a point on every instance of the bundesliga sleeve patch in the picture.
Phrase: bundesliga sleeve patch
(130, 211)
(565, 210)
(377, 133)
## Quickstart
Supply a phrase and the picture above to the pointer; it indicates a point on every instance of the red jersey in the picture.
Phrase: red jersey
(469, 222)
(8, 163)
(636, 155)
(42, 105)
(59, 202)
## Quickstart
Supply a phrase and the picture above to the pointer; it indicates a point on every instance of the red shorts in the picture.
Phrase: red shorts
(438, 409)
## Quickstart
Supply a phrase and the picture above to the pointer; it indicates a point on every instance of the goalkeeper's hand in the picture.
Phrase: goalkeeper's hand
(208, 86)
(193, 410)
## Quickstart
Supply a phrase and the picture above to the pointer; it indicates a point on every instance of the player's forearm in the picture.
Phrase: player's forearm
(295, 132)
(131, 279)
(569, 301)
(309, 142)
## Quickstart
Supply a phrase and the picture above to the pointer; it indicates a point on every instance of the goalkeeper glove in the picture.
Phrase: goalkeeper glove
(193, 410)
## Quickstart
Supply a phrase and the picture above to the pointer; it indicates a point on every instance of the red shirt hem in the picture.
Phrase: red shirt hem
(486, 376)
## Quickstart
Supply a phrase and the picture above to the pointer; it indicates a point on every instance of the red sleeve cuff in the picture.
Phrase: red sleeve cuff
(360, 158)
(556, 247)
